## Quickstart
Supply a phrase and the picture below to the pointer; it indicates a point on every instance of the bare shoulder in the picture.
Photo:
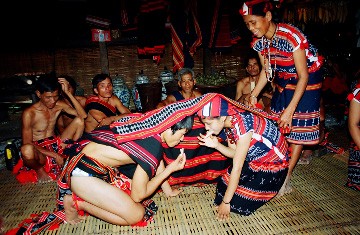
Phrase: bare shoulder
(197, 93)
(243, 82)
(81, 99)
(114, 99)
(29, 111)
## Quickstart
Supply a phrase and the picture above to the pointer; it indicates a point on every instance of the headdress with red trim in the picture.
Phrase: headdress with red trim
(257, 7)
(215, 108)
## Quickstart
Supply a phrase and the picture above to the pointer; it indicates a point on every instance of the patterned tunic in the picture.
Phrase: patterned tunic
(203, 165)
(306, 118)
(353, 180)
(265, 167)
(94, 102)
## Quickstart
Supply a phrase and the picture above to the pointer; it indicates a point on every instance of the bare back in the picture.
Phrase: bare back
(107, 155)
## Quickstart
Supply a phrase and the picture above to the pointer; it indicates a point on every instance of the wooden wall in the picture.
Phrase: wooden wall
(84, 63)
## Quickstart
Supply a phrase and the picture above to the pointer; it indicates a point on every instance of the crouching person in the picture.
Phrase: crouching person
(111, 158)
(259, 154)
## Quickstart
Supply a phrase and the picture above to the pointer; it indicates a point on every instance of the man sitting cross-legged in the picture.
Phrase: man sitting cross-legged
(41, 149)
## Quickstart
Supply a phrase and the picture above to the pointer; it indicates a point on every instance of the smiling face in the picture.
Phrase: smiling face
(214, 125)
(258, 25)
(173, 139)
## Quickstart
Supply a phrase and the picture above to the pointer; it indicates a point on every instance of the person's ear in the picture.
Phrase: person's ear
(179, 83)
(268, 16)
(38, 94)
(96, 91)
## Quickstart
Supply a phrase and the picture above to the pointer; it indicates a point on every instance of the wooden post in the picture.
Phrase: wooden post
(104, 62)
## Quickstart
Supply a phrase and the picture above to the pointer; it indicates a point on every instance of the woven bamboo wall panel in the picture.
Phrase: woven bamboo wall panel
(84, 63)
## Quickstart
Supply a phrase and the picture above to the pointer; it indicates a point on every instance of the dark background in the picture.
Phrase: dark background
(33, 24)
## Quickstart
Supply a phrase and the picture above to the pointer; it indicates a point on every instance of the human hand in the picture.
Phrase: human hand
(285, 121)
(179, 162)
(252, 100)
(64, 85)
(105, 121)
(223, 212)
(59, 159)
(208, 140)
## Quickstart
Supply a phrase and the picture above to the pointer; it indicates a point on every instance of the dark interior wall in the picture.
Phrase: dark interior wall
(84, 63)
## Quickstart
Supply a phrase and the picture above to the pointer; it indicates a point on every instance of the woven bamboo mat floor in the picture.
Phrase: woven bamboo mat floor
(319, 204)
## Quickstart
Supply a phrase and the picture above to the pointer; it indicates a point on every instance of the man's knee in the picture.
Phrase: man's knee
(79, 121)
(27, 152)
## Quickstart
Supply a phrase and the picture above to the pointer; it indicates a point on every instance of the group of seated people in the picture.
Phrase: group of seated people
(108, 161)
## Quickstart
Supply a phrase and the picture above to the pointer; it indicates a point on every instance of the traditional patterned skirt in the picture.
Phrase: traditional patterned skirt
(306, 119)
(353, 180)
(254, 190)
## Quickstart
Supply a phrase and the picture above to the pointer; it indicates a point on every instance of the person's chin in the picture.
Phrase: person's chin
(51, 106)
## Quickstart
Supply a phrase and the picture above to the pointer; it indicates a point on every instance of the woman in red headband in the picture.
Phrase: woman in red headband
(259, 154)
(293, 65)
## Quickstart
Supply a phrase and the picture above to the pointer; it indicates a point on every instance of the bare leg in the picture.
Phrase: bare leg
(33, 159)
(71, 213)
(74, 130)
(106, 202)
(295, 155)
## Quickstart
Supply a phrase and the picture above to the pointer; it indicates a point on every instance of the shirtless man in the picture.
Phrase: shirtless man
(245, 85)
(65, 119)
(114, 202)
(103, 108)
(187, 84)
(41, 149)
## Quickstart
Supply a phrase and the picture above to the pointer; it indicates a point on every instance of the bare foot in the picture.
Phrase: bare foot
(285, 188)
(43, 177)
(174, 192)
(305, 157)
(71, 214)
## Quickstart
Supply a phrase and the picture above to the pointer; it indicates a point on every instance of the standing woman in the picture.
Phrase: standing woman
(259, 155)
(353, 180)
(293, 65)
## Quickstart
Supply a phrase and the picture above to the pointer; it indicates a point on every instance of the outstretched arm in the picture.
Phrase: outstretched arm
(242, 147)
(303, 78)
(142, 187)
(260, 84)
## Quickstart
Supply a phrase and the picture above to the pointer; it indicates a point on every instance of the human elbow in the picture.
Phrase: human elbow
(137, 196)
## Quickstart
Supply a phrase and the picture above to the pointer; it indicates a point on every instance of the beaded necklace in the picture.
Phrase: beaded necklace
(232, 138)
(269, 71)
